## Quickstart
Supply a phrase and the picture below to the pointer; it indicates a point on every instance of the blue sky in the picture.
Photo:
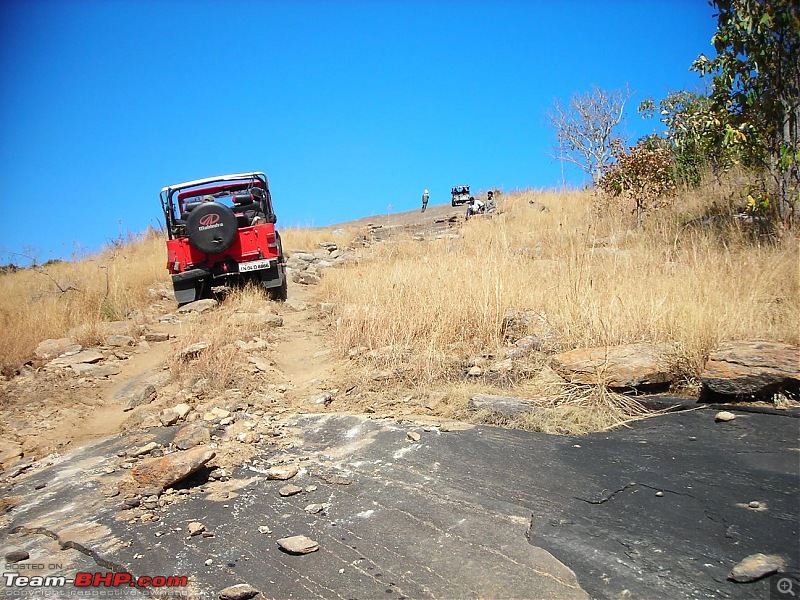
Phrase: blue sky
(350, 107)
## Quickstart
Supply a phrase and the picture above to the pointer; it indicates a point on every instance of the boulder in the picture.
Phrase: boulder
(755, 567)
(134, 387)
(142, 450)
(305, 278)
(181, 410)
(167, 470)
(752, 369)
(627, 366)
(282, 472)
(295, 304)
(260, 363)
(255, 344)
(156, 336)
(290, 490)
(84, 370)
(298, 544)
(192, 351)
(145, 394)
(296, 264)
(528, 324)
(199, 306)
(52, 348)
(82, 357)
(16, 556)
(119, 341)
(192, 435)
(240, 591)
(169, 417)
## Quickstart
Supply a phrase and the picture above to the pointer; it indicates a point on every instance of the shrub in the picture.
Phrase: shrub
(644, 174)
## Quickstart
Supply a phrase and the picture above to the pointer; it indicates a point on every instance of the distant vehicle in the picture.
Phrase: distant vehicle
(460, 195)
(222, 231)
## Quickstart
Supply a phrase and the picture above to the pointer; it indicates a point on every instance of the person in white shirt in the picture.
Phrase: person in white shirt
(474, 207)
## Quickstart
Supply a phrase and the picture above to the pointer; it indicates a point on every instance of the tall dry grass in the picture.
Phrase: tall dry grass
(50, 301)
(78, 297)
(308, 240)
(598, 280)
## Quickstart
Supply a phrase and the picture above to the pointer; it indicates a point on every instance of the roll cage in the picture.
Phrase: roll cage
(175, 198)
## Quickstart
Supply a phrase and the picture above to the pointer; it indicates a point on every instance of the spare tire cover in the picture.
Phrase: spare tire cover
(211, 227)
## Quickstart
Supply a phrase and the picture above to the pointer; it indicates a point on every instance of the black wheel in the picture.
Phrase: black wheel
(211, 227)
(453, 202)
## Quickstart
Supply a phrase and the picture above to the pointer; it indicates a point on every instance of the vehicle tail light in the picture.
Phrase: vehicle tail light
(272, 242)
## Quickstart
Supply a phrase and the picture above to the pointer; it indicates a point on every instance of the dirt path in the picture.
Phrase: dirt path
(47, 410)
(303, 352)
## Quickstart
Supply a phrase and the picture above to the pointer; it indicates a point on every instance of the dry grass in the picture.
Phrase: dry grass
(222, 365)
(77, 297)
(425, 308)
(308, 240)
(422, 311)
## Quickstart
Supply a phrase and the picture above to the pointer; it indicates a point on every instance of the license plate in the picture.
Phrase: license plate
(255, 265)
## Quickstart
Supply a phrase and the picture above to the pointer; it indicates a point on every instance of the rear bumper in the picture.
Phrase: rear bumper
(189, 284)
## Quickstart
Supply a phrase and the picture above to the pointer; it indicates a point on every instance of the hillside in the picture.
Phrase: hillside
(411, 320)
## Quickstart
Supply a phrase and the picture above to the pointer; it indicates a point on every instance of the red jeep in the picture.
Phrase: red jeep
(222, 231)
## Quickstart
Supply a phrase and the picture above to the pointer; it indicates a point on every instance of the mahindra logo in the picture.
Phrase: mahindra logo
(209, 219)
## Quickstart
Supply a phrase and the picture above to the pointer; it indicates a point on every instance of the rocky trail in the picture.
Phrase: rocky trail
(273, 476)
(70, 395)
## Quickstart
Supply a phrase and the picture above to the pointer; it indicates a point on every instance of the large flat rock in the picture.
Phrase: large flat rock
(752, 368)
(660, 509)
(159, 473)
(627, 366)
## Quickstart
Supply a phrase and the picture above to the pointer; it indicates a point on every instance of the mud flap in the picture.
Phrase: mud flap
(185, 292)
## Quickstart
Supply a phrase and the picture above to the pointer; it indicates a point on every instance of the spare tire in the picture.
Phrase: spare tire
(211, 227)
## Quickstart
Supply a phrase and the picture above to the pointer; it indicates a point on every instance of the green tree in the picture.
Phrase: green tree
(756, 81)
(697, 134)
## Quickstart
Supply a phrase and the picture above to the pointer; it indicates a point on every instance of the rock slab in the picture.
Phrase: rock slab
(755, 567)
(191, 436)
(752, 369)
(505, 405)
(298, 544)
(241, 591)
(198, 306)
(627, 366)
(52, 348)
(282, 472)
(167, 470)
(84, 357)
(144, 395)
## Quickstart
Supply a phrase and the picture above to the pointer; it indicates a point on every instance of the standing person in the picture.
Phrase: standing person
(425, 197)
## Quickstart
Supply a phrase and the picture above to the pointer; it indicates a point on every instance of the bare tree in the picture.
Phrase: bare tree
(585, 129)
